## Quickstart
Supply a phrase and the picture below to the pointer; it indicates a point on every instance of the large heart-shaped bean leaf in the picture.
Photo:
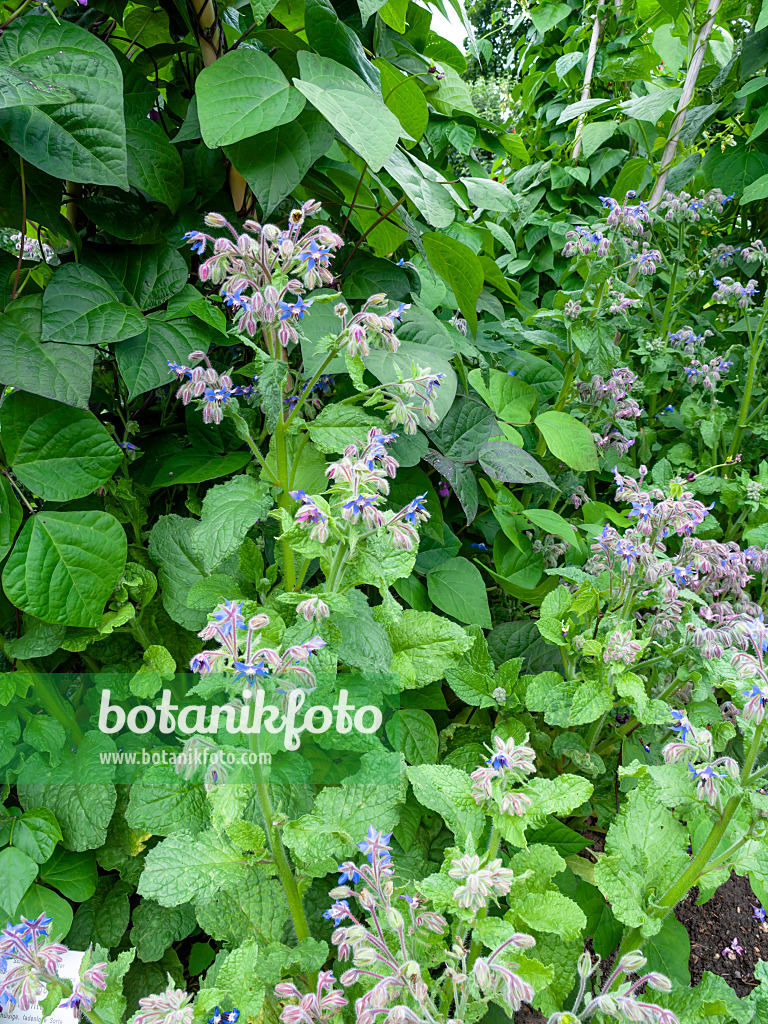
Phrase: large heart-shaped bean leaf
(461, 270)
(275, 162)
(19, 90)
(143, 360)
(62, 372)
(568, 439)
(58, 452)
(154, 164)
(353, 109)
(80, 308)
(83, 139)
(65, 565)
(241, 94)
(142, 275)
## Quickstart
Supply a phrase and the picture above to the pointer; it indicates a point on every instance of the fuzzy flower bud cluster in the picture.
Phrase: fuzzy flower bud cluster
(36, 960)
(211, 388)
(500, 777)
(359, 483)
(618, 996)
(239, 651)
(684, 208)
(383, 933)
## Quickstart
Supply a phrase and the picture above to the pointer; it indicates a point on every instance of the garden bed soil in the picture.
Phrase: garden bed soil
(713, 926)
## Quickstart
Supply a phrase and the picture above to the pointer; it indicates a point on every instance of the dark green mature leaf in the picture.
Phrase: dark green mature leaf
(353, 109)
(187, 467)
(505, 461)
(82, 140)
(80, 308)
(20, 90)
(242, 94)
(460, 477)
(461, 270)
(172, 549)
(10, 515)
(143, 359)
(61, 372)
(65, 565)
(327, 34)
(275, 162)
(144, 275)
(154, 164)
(58, 452)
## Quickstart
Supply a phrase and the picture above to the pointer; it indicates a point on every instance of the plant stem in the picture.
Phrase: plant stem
(49, 698)
(295, 907)
(284, 501)
(680, 888)
(755, 350)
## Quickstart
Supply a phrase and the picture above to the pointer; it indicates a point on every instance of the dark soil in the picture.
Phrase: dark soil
(527, 1015)
(713, 926)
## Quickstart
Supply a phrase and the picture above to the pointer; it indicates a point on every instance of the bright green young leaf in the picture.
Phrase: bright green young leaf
(173, 549)
(568, 439)
(82, 140)
(460, 268)
(241, 94)
(404, 98)
(448, 790)
(65, 565)
(17, 872)
(229, 511)
(353, 109)
(457, 588)
(58, 452)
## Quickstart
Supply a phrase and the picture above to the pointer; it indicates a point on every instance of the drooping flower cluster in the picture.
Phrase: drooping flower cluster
(239, 652)
(479, 882)
(359, 483)
(263, 273)
(630, 218)
(618, 996)
(582, 242)
(33, 250)
(500, 777)
(696, 747)
(707, 205)
(621, 647)
(173, 1006)
(707, 374)
(213, 389)
(35, 962)
(385, 952)
(687, 339)
(728, 290)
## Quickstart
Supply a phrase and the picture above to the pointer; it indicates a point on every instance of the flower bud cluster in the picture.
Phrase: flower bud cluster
(384, 943)
(497, 780)
(36, 961)
(359, 483)
(618, 997)
(239, 651)
(684, 208)
(213, 389)
(708, 374)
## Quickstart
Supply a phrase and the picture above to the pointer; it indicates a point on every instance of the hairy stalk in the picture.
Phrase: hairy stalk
(680, 888)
